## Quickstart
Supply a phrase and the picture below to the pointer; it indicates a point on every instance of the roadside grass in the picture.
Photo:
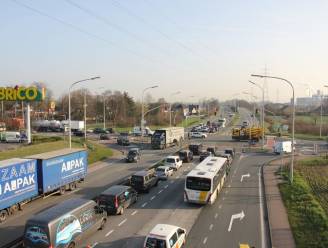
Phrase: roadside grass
(308, 136)
(235, 119)
(311, 119)
(96, 152)
(190, 121)
(306, 201)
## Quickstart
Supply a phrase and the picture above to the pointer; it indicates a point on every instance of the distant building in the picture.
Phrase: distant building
(313, 101)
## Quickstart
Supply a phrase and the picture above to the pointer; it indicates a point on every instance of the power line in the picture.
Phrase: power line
(174, 23)
(85, 32)
(113, 25)
(143, 20)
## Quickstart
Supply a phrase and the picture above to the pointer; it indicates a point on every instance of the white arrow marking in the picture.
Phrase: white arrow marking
(239, 216)
(246, 175)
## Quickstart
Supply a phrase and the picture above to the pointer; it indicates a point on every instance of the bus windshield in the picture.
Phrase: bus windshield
(198, 183)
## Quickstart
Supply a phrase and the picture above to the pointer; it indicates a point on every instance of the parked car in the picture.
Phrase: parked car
(67, 223)
(198, 135)
(164, 235)
(110, 130)
(174, 162)
(186, 156)
(163, 172)
(196, 148)
(231, 151)
(99, 130)
(123, 140)
(117, 198)
(133, 155)
(143, 181)
(204, 154)
(104, 136)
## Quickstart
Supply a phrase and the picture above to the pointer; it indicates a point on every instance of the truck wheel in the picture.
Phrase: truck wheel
(71, 245)
(121, 211)
(62, 190)
(13, 209)
(72, 186)
(3, 216)
(102, 224)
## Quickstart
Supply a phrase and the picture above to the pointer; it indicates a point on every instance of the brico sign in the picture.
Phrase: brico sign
(20, 93)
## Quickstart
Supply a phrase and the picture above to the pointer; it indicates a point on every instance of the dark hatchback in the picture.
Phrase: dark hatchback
(133, 155)
(196, 148)
(117, 198)
(186, 156)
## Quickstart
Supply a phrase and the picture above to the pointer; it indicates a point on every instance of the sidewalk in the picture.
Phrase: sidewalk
(281, 234)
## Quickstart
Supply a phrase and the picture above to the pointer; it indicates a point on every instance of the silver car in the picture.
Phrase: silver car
(163, 172)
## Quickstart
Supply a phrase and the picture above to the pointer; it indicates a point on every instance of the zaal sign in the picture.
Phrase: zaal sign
(21, 93)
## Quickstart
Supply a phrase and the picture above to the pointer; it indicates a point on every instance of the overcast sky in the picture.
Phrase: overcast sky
(202, 48)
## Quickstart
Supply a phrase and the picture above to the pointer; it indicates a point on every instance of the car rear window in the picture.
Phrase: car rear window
(106, 200)
(160, 169)
(170, 160)
(137, 179)
(155, 243)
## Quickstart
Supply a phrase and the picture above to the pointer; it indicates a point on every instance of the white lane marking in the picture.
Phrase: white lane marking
(223, 198)
(239, 216)
(165, 187)
(216, 215)
(152, 198)
(227, 191)
(242, 177)
(160, 191)
(109, 233)
(177, 177)
(144, 205)
(122, 222)
(172, 182)
(205, 240)
(136, 211)
(211, 227)
(263, 238)
(220, 206)
(229, 185)
(96, 243)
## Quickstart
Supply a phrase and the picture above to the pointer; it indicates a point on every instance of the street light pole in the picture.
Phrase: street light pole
(293, 121)
(142, 107)
(85, 114)
(69, 107)
(173, 94)
(326, 86)
(262, 89)
(104, 101)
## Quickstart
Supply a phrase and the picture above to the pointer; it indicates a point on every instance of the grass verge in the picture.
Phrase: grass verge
(97, 152)
(304, 202)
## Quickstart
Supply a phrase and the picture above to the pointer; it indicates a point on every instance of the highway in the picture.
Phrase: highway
(207, 226)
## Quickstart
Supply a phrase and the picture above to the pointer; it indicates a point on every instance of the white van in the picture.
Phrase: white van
(13, 137)
(282, 147)
(163, 235)
(173, 162)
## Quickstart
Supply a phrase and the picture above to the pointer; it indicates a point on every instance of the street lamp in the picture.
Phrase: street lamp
(69, 107)
(293, 121)
(261, 88)
(321, 110)
(173, 94)
(254, 97)
(142, 107)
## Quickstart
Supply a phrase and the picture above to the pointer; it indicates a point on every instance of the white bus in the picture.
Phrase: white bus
(205, 181)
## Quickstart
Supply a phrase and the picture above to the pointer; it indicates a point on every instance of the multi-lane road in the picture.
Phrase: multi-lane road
(207, 226)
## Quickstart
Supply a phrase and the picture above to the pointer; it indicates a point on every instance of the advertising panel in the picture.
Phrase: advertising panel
(21, 93)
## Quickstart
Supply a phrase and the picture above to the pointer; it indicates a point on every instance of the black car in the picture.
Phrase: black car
(78, 133)
(196, 148)
(116, 198)
(186, 156)
(123, 140)
(109, 130)
(143, 181)
(204, 154)
(212, 149)
(104, 136)
(133, 155)
(99, 130)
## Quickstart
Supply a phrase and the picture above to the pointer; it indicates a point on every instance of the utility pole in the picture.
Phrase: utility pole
(85, 114)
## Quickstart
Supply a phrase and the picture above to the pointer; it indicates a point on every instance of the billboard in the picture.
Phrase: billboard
(21, 93)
